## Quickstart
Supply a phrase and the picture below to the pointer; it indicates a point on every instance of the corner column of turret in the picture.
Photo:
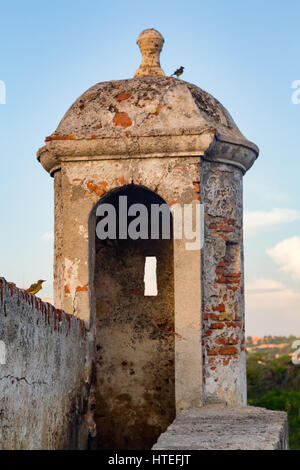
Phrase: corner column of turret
(223, 315)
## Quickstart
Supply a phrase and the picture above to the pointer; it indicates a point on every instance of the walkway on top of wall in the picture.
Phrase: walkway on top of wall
(224, 428)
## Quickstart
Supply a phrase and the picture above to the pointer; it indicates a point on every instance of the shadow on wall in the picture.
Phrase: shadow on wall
(135, 371)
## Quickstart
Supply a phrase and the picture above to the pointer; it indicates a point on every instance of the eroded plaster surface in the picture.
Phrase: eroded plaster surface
(223, 311)
(45, 381)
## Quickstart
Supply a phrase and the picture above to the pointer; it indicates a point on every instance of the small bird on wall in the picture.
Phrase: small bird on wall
(35, 288)
(178, 72)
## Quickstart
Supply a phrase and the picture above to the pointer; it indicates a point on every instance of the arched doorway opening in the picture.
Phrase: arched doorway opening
(135, 351)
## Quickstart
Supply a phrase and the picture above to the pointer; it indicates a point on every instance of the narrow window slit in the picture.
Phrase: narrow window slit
(150, 278)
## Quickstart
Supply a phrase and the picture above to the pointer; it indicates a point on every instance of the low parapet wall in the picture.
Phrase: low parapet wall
(44, 378)
(225, 428)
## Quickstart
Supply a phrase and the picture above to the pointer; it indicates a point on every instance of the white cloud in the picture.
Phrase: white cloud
(263, 285)
(49, 236)
(272, 309)
(255, 221)
(287, 255)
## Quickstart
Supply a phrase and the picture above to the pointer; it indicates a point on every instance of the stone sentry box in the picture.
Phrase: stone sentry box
(152, 138)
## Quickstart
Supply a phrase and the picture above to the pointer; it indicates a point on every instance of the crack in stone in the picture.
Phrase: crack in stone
(22, 379)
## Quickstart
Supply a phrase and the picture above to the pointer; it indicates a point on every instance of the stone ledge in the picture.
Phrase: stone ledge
(220, 428)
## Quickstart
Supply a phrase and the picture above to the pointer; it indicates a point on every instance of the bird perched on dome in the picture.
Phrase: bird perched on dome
(178, 72)
(35, 288)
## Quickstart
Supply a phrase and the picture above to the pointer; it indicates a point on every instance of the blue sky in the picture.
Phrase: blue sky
(244, 53)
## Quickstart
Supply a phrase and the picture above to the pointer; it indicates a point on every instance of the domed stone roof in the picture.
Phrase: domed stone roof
(151, 106)
(145, 106)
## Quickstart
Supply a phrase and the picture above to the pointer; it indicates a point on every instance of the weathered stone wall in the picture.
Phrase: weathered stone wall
(44, 381)
(224, 363)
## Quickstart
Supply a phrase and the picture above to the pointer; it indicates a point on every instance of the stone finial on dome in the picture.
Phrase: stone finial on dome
(150, 43)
